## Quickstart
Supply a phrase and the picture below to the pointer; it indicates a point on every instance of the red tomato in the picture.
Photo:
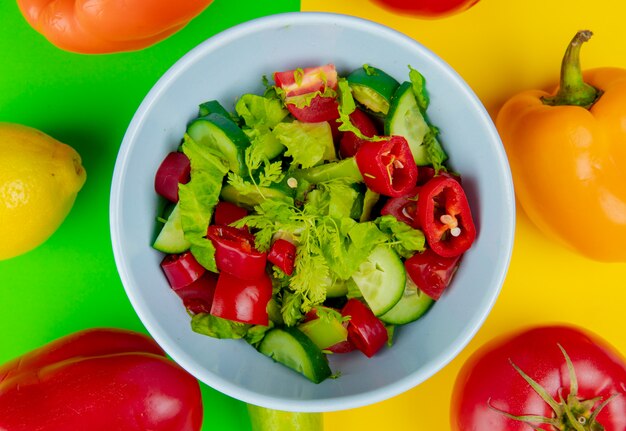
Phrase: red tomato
(242, 301)
(226, 213)
(98, 380)
(365, 331)
(103, 26)
(308, 80)
(181, 269)
(403, 208)
(350, 142)
(430, 272)
(174, 170)
(427, 8)
(283, 255)
(320, 109)
(488, 384)
(235, 252)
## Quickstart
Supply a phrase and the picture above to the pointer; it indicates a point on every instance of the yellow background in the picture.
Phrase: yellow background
(501, 47)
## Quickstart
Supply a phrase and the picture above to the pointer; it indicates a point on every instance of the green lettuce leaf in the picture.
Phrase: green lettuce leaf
(347, 106)
(419, 89)
(345, 244)
(217, 327)
(260, 112)
(307, 143)
(404, 239)
(198, 198)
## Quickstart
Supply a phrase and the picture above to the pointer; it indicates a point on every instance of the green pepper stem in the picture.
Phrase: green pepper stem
(573, 90)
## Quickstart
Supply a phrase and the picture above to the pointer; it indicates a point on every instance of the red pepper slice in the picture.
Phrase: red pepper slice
(387, 166)
(235, 252)
(365, 331)
(198, 296)
(226, 213)
(242, 301)
(181, 269)
(174, 169)
(445, 216)
(403, 208)
(430, 272)
(350, 142)
(283, 255)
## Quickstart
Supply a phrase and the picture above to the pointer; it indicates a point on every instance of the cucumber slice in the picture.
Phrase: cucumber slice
(324, 331)
(405, 119)
(295, 350)
(373, 88)
(413, 304)
(381, 279)
(171, 239)
(213, 107)
(217, 131)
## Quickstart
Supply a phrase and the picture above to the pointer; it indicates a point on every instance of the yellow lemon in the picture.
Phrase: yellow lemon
(39, 180)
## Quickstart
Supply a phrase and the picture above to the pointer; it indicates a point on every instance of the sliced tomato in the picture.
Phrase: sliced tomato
(242, 301)
(430, 272)
(308, 80)
(181, 269)
(226, 213)
(350, 142)
(365, 331)
(198, 296)
(320, 109)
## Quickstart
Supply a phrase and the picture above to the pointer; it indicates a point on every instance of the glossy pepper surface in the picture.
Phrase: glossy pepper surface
(567, 153)
(445, 217)
(106, 26)
(98, 380)
(387, 166)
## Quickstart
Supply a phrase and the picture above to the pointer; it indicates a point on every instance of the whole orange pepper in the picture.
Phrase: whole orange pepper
(567, 152)
(105, 26)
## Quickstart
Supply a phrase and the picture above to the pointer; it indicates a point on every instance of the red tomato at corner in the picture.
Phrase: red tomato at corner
(427, 8)
(488, 382)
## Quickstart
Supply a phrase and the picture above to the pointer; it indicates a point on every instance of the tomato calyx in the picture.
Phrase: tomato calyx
(570, 413)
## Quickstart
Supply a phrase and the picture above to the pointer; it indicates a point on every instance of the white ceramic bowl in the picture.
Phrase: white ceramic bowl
(232, 63)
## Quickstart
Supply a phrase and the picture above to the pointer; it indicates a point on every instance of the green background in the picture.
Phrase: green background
(87, 101)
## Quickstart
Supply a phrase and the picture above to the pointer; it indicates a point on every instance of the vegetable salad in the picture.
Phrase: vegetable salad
(315, 218)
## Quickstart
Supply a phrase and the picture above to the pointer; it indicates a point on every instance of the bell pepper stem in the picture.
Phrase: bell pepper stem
(573, 90)
(264, 419)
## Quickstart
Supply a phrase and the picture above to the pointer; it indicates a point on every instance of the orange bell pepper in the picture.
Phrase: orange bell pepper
(567, 152)
(106, 26)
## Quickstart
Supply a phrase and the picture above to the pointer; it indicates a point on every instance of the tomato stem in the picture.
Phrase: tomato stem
(569, 414)
(573, 90)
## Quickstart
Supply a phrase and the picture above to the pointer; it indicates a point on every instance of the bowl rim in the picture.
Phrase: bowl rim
(216, 381)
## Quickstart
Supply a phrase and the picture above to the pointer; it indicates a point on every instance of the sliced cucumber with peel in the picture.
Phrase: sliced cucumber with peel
(372, 88)
(381, 279)
(411, 306)
(292, 348)
(223, 134)
(405, 119)
(171, 239)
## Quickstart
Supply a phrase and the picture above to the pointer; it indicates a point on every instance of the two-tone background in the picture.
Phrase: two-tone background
(499, 47)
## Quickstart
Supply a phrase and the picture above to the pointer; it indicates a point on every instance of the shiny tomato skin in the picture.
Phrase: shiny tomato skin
(427, 8)
(88, 342)
(320, 109)
(488, 378)
(124, 392)
(350, 143)
(98, 379)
